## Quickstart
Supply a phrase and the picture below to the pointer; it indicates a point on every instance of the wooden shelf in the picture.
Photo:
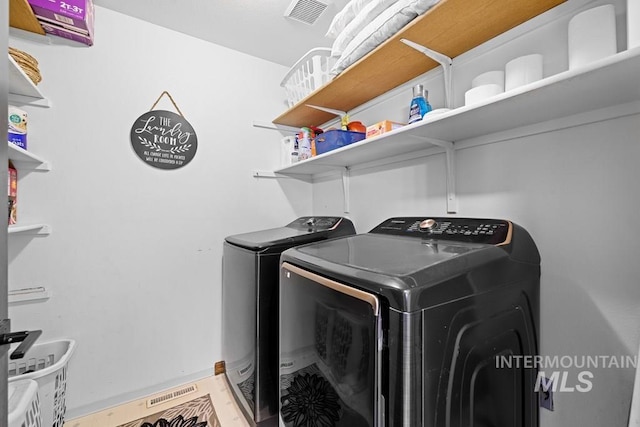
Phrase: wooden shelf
(21, 16)
(452, 27)
(556, 97)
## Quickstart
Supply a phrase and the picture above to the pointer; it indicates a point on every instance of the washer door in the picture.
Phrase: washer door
(330, 347)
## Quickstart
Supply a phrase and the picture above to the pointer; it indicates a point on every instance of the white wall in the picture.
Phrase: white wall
(134, 259)
(574, 189)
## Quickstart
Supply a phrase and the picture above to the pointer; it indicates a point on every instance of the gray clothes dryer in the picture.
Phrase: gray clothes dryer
(250, 308)
(405, 326)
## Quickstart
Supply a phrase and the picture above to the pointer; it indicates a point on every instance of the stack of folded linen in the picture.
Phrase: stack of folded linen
(362, 25)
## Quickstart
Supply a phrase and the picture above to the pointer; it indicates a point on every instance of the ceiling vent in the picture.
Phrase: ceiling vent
(307, 11)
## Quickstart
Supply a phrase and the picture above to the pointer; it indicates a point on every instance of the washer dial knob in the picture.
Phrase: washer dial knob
(428, 225)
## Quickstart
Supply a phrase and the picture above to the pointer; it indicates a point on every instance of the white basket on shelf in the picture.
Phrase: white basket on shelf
(46, 364)
(308, 74)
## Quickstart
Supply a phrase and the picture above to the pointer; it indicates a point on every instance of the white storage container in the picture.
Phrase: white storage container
(24, 404)
(46, 364)
(308, 74)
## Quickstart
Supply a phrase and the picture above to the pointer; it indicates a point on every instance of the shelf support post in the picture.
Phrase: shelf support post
(447, 68)
(452, 206)
(346, 175)
(450, 153)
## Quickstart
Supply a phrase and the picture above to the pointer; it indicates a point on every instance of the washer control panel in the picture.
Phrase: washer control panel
(475, 230)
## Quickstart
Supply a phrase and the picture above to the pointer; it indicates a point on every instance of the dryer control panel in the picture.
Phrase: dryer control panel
(471, 230)
(315, 223)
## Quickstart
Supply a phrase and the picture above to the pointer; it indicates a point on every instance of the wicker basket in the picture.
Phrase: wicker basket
(28, 63)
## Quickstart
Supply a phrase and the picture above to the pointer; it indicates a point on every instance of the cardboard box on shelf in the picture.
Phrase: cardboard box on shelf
(56, 30)
(382, 127)
(17, 122)
(71, 19)
(12, 193)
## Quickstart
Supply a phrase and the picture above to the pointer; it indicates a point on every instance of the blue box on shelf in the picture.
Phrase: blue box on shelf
(336, 138)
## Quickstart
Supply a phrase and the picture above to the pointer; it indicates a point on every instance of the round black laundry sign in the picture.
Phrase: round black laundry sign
(164, 139)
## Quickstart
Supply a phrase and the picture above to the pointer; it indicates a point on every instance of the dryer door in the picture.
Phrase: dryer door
(330, 346)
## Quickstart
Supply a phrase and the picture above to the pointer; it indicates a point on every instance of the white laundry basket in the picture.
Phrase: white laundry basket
(24, 404)
(308, 74)
(46, 364)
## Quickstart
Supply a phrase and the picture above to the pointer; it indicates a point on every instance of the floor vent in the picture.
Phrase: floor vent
(307, 11)
(174, 394)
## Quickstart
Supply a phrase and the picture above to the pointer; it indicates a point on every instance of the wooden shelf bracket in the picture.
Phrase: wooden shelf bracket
(447, 67)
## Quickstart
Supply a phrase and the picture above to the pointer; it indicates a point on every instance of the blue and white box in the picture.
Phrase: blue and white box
(18, 127)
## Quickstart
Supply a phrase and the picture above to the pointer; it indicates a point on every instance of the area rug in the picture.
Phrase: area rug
(198, 412)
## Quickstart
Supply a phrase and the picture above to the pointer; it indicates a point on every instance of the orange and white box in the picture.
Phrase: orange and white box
(382, 127)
